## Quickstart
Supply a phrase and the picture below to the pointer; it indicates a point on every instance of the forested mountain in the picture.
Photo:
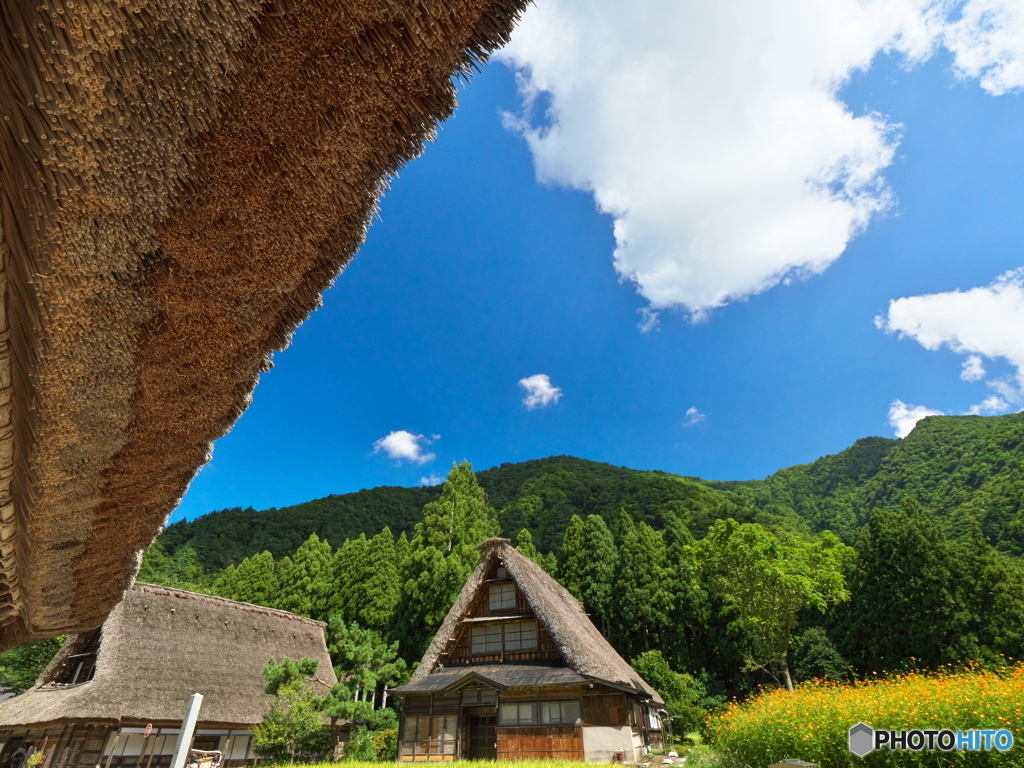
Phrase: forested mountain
(960, 468)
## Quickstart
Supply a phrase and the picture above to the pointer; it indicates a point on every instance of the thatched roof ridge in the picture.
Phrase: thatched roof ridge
(583, 647)
(161, 645)
(179, 182)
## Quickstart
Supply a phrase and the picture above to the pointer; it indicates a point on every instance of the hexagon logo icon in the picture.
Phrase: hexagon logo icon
(861, 739)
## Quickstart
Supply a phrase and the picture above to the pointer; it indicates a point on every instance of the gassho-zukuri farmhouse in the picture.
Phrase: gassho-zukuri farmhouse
(106, 688)
(179, 182)
(518, 671)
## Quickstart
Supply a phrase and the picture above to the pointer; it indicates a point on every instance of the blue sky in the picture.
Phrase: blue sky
(720, 317)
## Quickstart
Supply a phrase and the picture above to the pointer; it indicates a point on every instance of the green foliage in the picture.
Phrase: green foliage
(292, 726)
(919, 597)
(182, 570)
(815, 657)
(598, 576)
(769, 582)
(21, 666)
(305, 579)
(254, 580)
(442, 554)
(360, 746)
(572, 557)
(961, 468)
(680, 692)
(361, 658)
(641, 587)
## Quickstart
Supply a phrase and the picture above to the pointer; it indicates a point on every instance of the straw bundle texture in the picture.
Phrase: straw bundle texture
(179, 182)
(584, 649)
(160, 645)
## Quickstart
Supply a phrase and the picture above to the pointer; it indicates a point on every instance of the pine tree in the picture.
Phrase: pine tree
(597, 587)
(441, 555)
(305, 579)
(573, 557)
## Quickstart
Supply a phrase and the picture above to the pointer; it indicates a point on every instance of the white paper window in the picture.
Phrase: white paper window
(559, 712)
(518, 713)
(486, 639)
(502, 597)
(521, 636)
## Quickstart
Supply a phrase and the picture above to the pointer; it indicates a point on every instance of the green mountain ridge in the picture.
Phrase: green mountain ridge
(960, 468)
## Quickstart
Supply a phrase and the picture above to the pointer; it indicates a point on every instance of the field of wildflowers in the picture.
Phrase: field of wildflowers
(811, 723)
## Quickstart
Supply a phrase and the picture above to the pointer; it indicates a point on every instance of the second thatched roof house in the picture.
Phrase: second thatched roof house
(115, 697)
(518, 671)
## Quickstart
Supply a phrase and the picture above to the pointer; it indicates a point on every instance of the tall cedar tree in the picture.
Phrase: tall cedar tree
(641, 587)
(254, 580)
(305, 579)
(572, 557)
(598, 580)
(441, 555)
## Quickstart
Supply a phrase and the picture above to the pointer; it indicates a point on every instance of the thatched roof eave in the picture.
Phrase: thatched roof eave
(179, 183)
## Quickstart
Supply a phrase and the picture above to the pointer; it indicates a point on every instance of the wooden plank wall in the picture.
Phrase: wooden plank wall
(606, 709)
(553, 742)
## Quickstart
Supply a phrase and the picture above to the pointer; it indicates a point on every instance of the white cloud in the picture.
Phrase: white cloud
(980, 323)
(903, 416)
(988, 43)
(974, 369)
(991, 405)
(431, 480)
(539, 391)
(713, 134)
(405, 446)
(693, 416)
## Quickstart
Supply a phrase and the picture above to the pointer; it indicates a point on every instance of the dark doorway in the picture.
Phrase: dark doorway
(482, 743)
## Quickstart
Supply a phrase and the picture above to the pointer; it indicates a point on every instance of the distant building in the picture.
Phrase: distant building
(93, 705)
(517, 670)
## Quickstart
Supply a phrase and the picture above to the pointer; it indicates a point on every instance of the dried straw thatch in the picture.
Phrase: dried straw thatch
(584, 649)
(159, 646)
(179, 181)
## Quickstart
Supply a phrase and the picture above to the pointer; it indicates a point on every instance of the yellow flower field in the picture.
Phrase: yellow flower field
(812, 722)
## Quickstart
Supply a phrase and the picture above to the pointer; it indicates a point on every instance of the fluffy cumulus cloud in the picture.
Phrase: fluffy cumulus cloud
(903, 417)
(433, 479)
(405, 446)
(987, 42)
(713, 134)
(540, 392)
(693, 417)
(978, 323)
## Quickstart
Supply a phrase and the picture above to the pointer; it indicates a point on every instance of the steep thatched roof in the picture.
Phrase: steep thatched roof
(179, 181)
(160, 646)
(582, 646)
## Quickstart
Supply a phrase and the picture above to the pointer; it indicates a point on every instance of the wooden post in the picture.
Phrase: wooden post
(188, 726)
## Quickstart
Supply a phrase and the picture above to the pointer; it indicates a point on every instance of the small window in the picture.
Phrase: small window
(501, 572)
(486, 639)
(560, 712)
(521, 636)
(79, 661)
(502, 597)
(470, 698)
(518, 713)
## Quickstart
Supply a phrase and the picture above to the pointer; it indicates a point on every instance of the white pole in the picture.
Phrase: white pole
(188, 726)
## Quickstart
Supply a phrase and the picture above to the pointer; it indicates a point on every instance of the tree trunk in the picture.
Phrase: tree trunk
(785, 674)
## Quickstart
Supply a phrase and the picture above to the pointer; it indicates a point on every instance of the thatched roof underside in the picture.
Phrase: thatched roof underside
(179, 182)
(159, 646)
(584, 649)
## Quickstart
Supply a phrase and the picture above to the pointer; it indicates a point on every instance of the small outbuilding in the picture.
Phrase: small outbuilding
(115, 697)
(518, 671)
